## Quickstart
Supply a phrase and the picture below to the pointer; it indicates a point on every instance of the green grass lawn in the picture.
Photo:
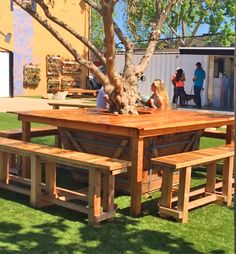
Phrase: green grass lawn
(57, 230)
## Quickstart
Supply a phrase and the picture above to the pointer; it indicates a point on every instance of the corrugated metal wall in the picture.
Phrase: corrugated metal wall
(163, 66)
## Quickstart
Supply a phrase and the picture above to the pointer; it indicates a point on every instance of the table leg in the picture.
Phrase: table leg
(26, 137)
(136, 175)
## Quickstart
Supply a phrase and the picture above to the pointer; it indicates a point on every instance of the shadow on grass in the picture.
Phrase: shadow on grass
(67, 232)
(107, 238)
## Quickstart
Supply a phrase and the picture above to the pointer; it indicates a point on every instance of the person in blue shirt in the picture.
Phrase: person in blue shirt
(198, 79)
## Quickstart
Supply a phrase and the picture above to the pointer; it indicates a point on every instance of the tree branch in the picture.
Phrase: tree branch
(71, 30)
(88, 64)
(129, 46)
(114, 77)
(176, 34)
(184, 31)
(189, 41)
(155, 34)
(94, 5)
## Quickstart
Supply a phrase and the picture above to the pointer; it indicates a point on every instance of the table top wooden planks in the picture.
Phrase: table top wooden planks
(144, 125)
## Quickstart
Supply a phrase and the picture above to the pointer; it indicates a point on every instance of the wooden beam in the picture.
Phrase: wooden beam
(228, 179)
(94, 196)
(4, 167)
(170, 212)
(211, 177)
(136, 175)
(108, 192)
(50, 177)
(26, 137)
(166, 188)
(183, 195)
(202, 201)
(36, 179)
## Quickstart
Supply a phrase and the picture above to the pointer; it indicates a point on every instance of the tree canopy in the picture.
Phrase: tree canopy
(184, 22)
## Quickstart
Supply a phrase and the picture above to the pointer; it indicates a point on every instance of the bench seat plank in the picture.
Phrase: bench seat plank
(212, 133)
(80, 91)
(35, 132)
(64, 156)
(193, 158)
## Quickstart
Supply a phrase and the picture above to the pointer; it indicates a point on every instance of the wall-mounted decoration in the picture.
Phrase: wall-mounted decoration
(62, 73)
(54, 65)
(53, 85)
(70, 82)
(70, 67)
(31, 75)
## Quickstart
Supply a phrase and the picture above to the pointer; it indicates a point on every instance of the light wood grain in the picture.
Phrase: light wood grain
(183, 163)
(193, 158)
(149, 123)
(37, 154)
(64, 156)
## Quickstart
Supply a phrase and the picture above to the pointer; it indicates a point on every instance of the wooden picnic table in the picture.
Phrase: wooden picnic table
(134, 128)
(58, 104)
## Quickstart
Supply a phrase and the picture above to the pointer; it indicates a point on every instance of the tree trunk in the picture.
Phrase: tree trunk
(123, 101)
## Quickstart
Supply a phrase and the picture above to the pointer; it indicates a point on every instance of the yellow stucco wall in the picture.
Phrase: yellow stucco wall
(40, 42)
(6, 23)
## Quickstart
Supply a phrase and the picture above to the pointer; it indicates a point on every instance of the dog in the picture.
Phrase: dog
(186, 97)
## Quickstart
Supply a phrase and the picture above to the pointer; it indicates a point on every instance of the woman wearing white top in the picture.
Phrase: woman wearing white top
(102, 99)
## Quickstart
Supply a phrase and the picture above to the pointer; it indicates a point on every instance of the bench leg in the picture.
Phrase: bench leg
(166, 188)
(108, 192)
(13, 166)
(228, 180)
(211, 178)
(58, 141)
(25, 160)
(94, 196)
(50, 178)
(36, 180)
(184, 190)
(4, 167)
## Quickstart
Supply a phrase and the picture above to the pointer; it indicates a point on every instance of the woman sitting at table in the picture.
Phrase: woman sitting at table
(159, 98)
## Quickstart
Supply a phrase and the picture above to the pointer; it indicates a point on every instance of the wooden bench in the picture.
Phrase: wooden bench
(183, 163)
(214, 133)
(102, 171)
(35, 132)
(80, 91)
(57, 105)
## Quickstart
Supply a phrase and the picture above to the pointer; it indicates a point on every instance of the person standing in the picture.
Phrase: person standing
(173, 81)
(198, 79)
(178, 79)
